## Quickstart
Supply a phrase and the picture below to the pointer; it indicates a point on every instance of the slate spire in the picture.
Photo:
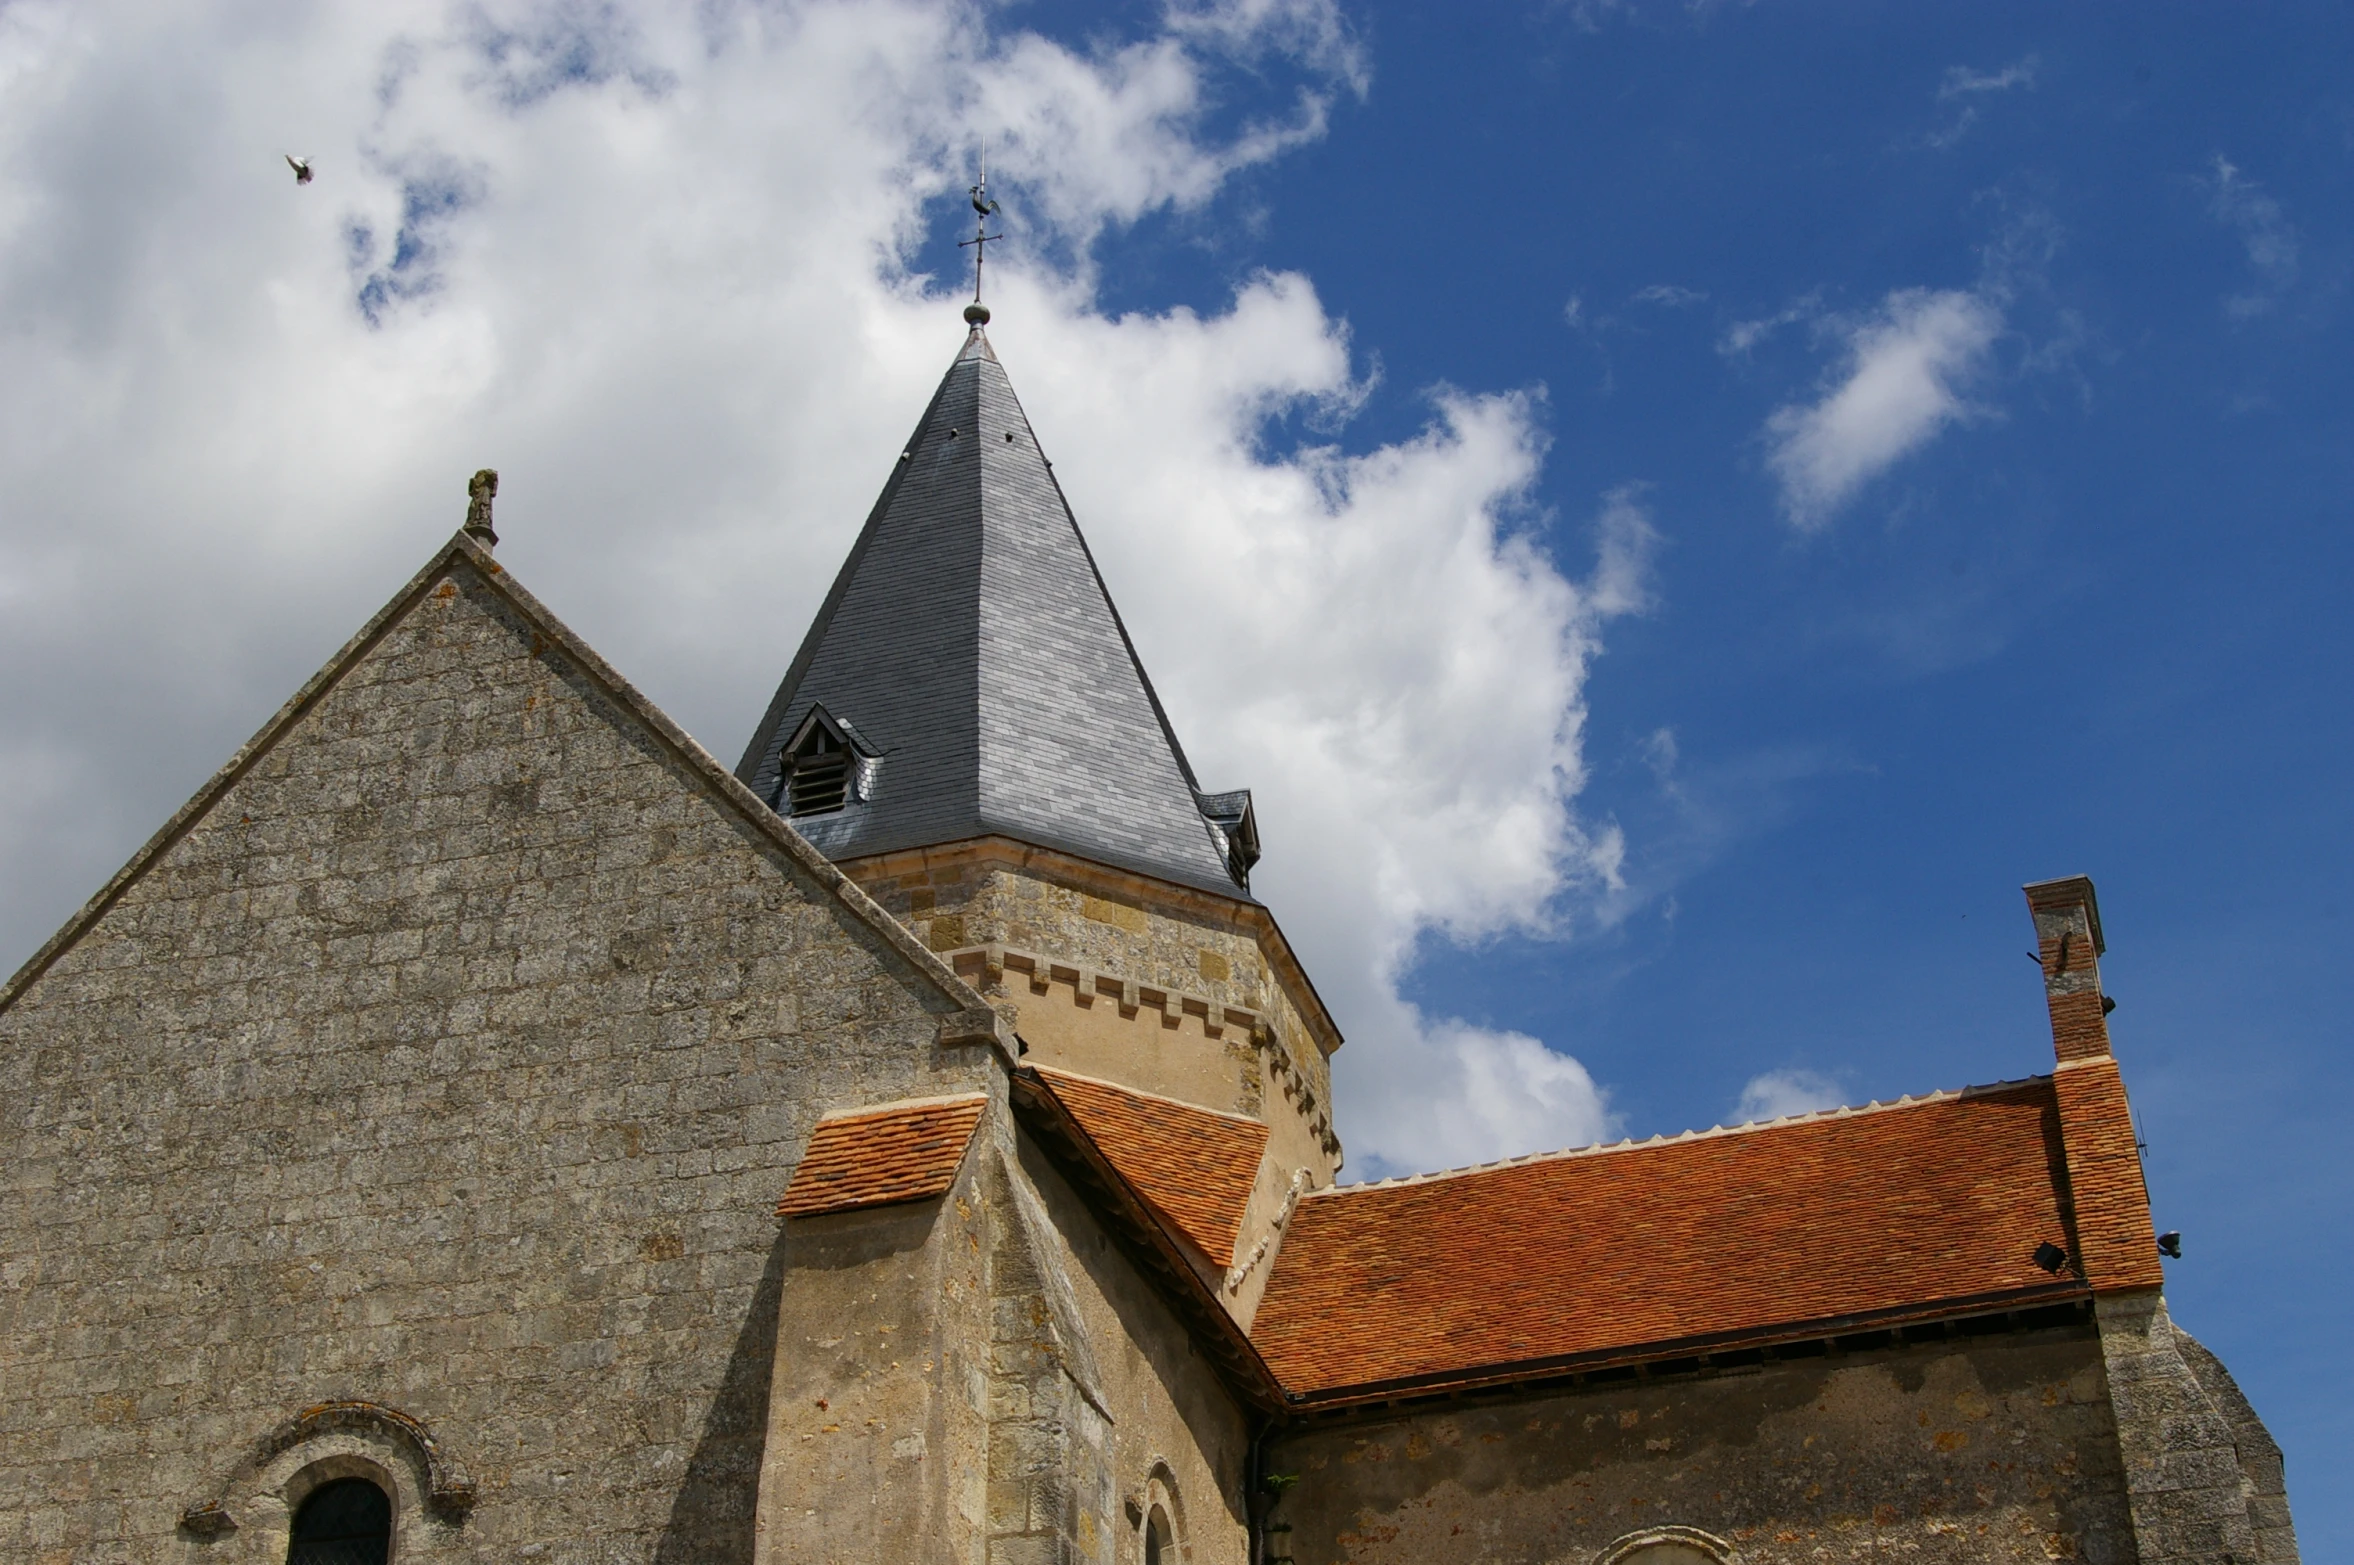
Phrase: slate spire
(968, 676)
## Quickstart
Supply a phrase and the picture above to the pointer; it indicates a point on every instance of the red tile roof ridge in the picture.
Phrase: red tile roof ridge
(1053, 1072)
(1661, 1139)
(897, 1106)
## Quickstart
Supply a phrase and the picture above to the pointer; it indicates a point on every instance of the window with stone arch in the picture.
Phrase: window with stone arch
(344, 1521)
(1668, 1546)
(1159, 1515)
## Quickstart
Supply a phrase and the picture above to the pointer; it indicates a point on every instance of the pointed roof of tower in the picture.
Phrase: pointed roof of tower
(972, 666)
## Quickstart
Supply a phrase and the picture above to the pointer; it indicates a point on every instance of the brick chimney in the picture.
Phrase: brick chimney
(2116, 1247)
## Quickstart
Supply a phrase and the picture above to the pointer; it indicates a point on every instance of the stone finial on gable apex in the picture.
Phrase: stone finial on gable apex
(480, 490)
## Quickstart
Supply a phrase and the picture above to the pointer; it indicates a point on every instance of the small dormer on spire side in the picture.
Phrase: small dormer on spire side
(825, 768)
(1234, 830)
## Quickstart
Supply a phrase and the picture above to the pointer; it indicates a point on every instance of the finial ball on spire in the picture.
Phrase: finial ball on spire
(976, 314)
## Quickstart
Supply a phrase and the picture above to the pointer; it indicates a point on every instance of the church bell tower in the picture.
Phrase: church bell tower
(968, 732)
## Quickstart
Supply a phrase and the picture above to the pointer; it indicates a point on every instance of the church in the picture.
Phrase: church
(482, 1126)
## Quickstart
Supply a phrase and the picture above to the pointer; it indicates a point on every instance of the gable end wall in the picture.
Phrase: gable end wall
(452, 1060)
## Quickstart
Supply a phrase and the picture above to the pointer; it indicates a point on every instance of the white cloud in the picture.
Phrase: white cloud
(657, 267)
(1962, 85)
(1514, 1095)
(1781, 1092)
(1671, 296)
(1900, 385)
(1742, 336)
(1962, 82)
(1365, 642)
(2270, 239)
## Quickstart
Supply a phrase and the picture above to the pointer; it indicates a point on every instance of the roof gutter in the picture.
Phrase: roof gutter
(1445, 1382)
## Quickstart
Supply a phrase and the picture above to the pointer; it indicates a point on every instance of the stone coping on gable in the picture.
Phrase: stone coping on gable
(970, 1022)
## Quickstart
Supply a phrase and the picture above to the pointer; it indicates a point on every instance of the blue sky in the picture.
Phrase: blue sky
(2093, 624)
(1677, 510)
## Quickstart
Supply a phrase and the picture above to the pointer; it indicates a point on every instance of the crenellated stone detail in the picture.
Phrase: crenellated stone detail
(986, 967)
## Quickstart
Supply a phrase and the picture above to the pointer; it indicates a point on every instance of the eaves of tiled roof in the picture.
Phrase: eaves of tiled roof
(882, 1156)
(1804, 1227)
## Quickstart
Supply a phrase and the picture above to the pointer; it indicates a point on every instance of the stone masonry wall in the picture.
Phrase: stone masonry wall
(2190, 1473)
(1997, 1448)
(1129, 932)
(879, 1403)
(1050, 1419)
(453, 1061)
(956, 904)
(1159, 1423)
(2263, 1474)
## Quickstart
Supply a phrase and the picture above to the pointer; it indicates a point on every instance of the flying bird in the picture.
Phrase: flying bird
(301, 167)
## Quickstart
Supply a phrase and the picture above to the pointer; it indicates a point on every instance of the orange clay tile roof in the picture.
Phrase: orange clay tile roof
(1196, 1167)
(1711, 1237)
(874, 1157)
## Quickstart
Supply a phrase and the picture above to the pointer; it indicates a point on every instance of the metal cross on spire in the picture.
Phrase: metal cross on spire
(983, 209)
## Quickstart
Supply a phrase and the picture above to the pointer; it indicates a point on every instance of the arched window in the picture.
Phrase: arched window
(1668, 1546)
(346, 1522)
(1668, 1554)
(1160, 1546)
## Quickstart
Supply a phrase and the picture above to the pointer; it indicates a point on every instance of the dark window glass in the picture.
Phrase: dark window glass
(347, 1522)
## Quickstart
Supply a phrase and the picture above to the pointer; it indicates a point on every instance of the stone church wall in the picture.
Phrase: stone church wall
(1986, 1449)
(959, 898)
(879, 1412)
(984, 1378)
(1173, 1435)
(451, 1063)
(2204, 1477)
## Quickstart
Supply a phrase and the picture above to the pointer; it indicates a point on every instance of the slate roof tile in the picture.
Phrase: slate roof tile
(1194, 1166)
(1614, 1249)
(971, 640)
(876, 1157)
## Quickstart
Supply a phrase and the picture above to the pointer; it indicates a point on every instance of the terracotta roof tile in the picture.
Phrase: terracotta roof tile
(1609, 1250)
(2113, 1228)
(874, 1157)
(1196, 1167)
